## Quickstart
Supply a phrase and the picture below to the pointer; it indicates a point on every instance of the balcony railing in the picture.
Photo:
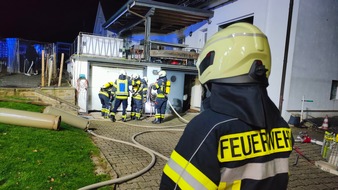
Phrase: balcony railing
(100, 46)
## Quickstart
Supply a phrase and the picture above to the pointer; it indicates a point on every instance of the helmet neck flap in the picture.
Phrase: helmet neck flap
(248, 102)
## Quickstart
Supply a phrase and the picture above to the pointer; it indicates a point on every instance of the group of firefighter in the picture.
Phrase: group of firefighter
(113, 94)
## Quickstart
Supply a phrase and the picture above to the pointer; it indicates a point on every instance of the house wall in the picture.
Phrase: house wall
(270, 16)
(313, 60)
(198, 35)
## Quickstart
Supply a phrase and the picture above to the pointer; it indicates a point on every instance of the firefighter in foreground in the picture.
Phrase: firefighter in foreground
(162, 86)
(121, 95)
(239, 141)
(106, 95)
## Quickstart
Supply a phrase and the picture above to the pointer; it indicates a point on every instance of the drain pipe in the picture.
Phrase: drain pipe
(68, 118)
(286, 53)
(29, 119)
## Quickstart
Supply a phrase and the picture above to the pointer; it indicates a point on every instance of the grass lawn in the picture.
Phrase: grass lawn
(35, 158)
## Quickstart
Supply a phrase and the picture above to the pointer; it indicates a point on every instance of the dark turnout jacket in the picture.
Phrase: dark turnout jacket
(239, 142)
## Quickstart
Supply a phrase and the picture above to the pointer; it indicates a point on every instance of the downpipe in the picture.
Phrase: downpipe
(29, 119)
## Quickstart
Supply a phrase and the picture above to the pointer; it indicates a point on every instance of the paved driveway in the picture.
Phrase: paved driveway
(127, 160)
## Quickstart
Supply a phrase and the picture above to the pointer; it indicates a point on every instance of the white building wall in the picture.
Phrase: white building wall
(197, 38)
(271, 17)
(79, 67)
(76, 68)
(314, 62)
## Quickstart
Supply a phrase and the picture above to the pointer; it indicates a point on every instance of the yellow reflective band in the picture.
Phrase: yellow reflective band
(222, 185)
(241, 146)
(176, 177)
(191, 170)
(104, 93)
(236, 185)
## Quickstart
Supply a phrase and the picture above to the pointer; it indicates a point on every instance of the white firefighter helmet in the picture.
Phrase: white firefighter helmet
(123, 72)
(162, 74)
(136, 76)
(240, 53)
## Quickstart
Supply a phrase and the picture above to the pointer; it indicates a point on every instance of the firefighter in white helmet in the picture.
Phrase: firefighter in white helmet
(240, 141)
(162, 85)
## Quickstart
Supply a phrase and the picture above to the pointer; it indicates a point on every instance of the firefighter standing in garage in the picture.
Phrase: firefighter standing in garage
(239, 141)
(121, 95)
(106, 95)
(161, 98)
(137, 90)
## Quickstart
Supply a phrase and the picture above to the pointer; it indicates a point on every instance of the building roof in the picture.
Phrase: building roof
(165, 17)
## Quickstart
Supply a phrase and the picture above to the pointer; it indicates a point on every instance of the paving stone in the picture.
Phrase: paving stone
(163, 138)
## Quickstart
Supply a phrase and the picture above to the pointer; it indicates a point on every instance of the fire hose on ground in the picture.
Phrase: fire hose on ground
(127, 177)
(137, 145)
(178, 115)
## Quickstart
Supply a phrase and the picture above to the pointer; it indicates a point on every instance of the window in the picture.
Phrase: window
(181, 40)
(247, 19)
(334, 90)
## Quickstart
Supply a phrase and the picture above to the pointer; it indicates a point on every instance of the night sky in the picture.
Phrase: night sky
(50, 21)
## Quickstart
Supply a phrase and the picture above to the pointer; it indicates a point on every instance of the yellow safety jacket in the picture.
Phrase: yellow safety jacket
(163, 87)
(107, 89)
(122, 89)
(137, 89)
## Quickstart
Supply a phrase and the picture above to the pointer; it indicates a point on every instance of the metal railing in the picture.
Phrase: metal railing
(100, 46)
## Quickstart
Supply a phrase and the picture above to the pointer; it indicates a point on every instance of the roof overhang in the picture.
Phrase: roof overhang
(165, 18)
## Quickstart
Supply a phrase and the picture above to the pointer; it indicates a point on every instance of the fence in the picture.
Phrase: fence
(13, 54)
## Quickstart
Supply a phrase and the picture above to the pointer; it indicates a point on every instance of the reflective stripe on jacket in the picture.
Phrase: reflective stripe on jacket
(137, 89)
(104, 93)
(159, 86)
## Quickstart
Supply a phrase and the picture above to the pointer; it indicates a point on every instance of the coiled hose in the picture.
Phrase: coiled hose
(127, 177)
(135, 144)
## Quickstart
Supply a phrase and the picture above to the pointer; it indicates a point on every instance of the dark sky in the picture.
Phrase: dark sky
(50, 21)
